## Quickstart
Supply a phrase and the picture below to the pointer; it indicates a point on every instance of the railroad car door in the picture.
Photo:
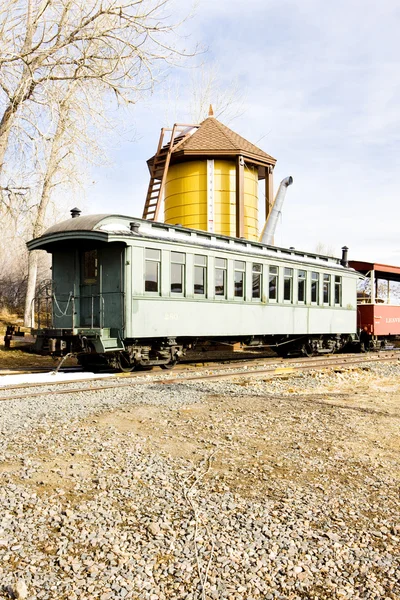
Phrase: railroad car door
(90, 303)
(111, 260)
(64, 272)
(101, 288)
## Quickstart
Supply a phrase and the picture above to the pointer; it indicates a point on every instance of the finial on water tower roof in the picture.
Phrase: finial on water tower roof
(211, 111)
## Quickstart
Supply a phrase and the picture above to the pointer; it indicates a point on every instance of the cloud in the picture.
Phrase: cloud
(321, 83)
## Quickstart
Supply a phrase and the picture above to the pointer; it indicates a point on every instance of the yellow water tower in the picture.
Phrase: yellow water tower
(209, 177)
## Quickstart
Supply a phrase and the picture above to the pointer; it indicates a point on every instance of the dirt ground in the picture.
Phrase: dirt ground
(320, 452)
(334, 434)
(262, 442)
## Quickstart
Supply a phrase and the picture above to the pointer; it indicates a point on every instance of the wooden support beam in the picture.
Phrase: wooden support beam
(269, 191)
(239, 196)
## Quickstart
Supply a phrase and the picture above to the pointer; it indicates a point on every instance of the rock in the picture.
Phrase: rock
(154, 529)
(297, 570)
(332, 536)
(20, 590)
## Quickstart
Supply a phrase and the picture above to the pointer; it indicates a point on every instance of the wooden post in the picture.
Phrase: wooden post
(239, 196)
(374, 284)
(269, 191)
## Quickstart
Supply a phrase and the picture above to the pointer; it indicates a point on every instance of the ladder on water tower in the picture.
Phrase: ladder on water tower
(159, 168)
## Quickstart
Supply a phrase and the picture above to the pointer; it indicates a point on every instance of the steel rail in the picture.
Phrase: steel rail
(272, 372)
(306, 361)
(211, 363)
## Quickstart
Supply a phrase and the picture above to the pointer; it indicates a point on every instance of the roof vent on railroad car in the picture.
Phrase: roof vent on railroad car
(134, 226)
(75, 212)
(344, 261)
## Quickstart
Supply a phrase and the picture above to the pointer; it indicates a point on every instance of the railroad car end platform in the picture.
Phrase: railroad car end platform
(378, 304)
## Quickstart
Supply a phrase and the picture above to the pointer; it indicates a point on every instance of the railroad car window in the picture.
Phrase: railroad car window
(178, 260)
(200, 274)
(89, 263)
(301, 286)
(152, 270)
(327, 288)
(288, 284)
(338, 289)
(153, 254)
(256, 292)
(240, 267)
(273, 283)
(314, 287)
(220, 277)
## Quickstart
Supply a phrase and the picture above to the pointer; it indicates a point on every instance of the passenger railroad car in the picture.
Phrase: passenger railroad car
(130, 292)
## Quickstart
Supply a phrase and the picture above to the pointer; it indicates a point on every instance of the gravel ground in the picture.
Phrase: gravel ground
(241, 489)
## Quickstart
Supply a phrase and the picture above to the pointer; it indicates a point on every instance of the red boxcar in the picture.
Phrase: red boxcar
(378, 312)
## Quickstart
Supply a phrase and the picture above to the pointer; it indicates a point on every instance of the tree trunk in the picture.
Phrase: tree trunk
(29, 314)
(40, 218)
(7, 120)
(33, 255)
(5, 127)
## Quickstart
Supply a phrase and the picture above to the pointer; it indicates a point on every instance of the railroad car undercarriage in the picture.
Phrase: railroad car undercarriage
(91, 354)
(136, 354)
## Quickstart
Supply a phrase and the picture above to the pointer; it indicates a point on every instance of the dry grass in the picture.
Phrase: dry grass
(8, 318)
(17, 359)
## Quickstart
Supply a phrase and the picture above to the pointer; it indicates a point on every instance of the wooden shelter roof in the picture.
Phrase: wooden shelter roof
(387, 272)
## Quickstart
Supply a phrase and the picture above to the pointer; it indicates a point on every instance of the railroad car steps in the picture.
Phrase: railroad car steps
(111, 344)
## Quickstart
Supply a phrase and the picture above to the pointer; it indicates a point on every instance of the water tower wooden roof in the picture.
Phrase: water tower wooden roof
(213, 139)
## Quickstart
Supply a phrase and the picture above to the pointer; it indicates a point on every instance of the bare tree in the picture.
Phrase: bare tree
(115, 44)
(191, 103)
(58, 153)
(56, 55)
(67, 149)
(12, 264)
(321, 248)
(208, 88)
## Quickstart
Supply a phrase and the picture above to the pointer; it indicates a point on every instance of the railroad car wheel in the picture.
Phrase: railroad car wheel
(307, 350)
(282, 351)
(169, 365)
(124, 363)
(89, 363)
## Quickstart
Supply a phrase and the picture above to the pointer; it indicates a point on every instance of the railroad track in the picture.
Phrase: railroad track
(286, 368)
(207, 361)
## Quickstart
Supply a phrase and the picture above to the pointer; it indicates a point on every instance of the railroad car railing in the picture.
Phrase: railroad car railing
(69, 311)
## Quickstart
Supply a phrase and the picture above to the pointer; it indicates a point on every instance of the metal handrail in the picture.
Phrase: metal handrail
(103, 308)
(72, 299)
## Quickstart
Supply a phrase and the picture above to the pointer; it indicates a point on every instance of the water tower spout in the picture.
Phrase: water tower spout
(268, 232)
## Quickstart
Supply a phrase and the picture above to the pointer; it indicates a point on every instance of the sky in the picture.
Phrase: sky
(319, 90)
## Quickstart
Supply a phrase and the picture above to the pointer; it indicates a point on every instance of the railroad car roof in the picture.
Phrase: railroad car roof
(119, 228)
